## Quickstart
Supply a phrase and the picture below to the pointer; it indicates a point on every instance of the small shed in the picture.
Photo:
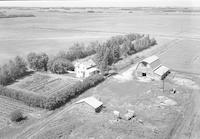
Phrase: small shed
(93, 102)
(162, 72)
(151, 67)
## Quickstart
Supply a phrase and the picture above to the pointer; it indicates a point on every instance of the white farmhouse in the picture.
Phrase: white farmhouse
(85, 68)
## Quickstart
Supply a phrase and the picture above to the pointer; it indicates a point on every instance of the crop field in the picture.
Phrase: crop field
(183, 56)
(52, 31)
(8, 105)
(43, 84)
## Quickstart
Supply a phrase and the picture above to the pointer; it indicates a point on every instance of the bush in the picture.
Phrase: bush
(153, 42)
(60, 65)
(16, 116)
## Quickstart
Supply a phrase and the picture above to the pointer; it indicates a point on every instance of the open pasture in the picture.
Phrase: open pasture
(8, 105)
(43, 84)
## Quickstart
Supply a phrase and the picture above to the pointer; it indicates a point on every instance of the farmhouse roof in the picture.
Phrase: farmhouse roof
(92, 102)
(90, 63)
(87, 63)
(150, 59)
(161, 70)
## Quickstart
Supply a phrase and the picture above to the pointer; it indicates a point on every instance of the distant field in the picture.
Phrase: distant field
(183, 55)
(8, 105)
(51, 31)
(42, 84)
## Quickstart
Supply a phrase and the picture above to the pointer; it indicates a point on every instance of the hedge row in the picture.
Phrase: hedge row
(56, 100)
(28, 98)
(59, 99)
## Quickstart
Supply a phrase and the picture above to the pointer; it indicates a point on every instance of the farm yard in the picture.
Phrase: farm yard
(44, 84)
(158, 114)
(155, 112)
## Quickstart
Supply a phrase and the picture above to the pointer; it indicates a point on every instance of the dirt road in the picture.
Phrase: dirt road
(36, 128)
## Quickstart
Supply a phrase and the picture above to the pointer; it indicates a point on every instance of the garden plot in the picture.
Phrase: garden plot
(43, 84)
(8, 105)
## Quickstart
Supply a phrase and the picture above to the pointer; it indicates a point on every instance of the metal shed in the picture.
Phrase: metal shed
(93, 102)
(162, 71)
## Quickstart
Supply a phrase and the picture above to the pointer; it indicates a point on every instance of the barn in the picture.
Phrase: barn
(151, 68)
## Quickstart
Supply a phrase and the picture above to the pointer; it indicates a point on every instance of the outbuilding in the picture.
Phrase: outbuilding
(93, 102)
(151, 68)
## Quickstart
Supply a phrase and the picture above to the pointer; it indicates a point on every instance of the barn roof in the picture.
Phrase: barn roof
(161, 70)
(92, 102)
(150, 59)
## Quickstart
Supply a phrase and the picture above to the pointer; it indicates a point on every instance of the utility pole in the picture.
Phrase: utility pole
(163, 85)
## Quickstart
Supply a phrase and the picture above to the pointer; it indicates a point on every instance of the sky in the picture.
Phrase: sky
(102, 3)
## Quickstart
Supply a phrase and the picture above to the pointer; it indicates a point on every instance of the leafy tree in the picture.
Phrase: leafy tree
(92, 48)
(60, 65)
(103, 58)
(38, 61)
(77, 51)
(5, 77)
(32, 60)
(21, 66)
(12, 69)
(133, 36)
(42, 61)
